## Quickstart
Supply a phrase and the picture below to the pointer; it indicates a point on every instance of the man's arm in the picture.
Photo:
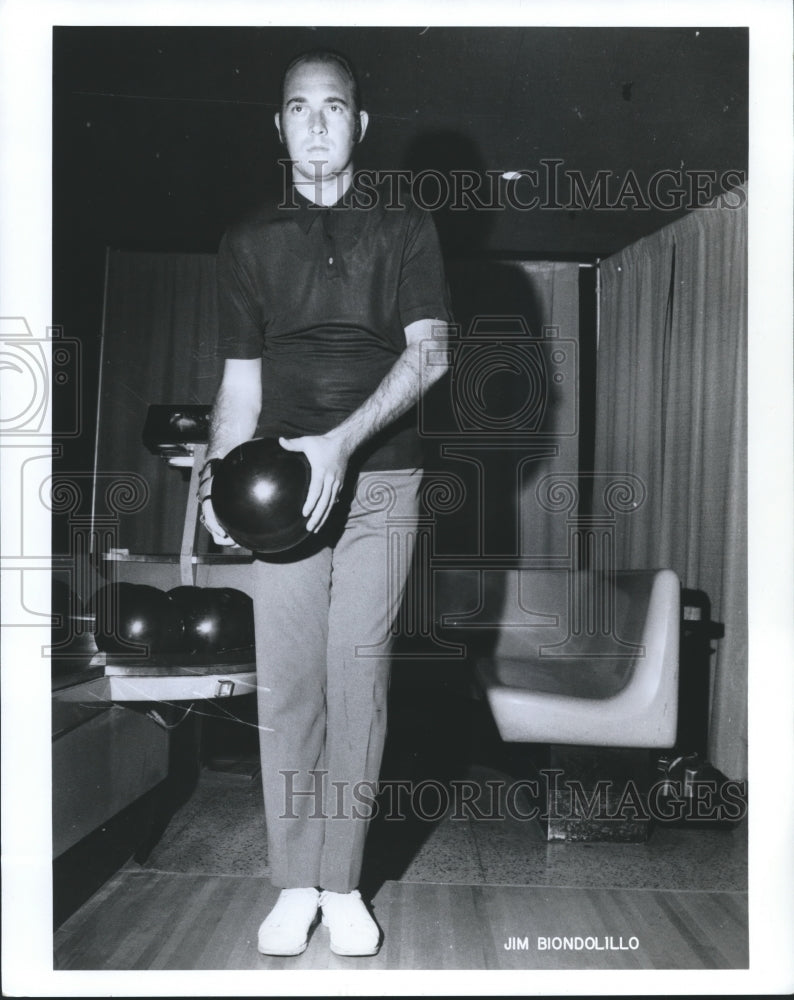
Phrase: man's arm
(233, 420)
(405, 382)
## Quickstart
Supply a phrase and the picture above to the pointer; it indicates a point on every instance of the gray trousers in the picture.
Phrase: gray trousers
(323, 640)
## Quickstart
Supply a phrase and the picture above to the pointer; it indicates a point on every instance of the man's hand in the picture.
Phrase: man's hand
(328, 457)
(233, 420)
(206, 510)
(210, 522)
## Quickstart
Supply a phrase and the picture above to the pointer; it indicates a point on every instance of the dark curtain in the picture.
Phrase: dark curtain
(158, 347)
(671, 409)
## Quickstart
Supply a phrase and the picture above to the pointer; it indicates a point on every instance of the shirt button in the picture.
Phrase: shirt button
(330, 260)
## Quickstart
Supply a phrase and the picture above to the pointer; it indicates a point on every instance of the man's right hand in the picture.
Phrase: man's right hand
(210, 522)
(233, 420)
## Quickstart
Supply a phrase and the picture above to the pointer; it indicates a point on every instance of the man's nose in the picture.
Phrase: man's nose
(317, 122)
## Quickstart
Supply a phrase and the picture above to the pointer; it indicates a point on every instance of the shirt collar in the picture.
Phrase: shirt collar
(306, 212)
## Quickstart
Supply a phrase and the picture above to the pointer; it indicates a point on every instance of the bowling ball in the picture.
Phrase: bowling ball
(213, 619)
(201, 617)
(65, 607)
(72, 627)
(240, 617)
(135, 618)
(258, 491)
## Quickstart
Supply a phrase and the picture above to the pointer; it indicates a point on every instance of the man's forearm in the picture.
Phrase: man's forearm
(232, 421)
(330, 453)
(400, 389)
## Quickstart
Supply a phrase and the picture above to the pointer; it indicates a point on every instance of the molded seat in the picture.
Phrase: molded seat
(580, 658)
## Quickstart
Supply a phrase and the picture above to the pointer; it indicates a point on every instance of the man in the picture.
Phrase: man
(327, 303)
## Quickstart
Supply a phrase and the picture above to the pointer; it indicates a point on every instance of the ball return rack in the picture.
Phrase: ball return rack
(178, 435)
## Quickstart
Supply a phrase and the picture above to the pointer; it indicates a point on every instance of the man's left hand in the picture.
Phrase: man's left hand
(328, 459)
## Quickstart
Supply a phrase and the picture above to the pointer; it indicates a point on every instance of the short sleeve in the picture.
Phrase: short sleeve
(423, 290)
(239, 326)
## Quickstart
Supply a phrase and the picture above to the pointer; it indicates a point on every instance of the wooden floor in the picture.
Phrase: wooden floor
(156, 920)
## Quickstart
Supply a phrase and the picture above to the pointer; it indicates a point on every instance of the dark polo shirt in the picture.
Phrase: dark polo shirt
(323, 295)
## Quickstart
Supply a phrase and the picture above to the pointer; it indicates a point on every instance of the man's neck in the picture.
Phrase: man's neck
(324, 191)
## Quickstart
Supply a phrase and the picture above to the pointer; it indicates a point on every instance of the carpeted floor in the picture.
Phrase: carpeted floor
(220, 831)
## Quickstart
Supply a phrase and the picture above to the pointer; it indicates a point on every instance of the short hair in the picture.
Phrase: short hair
(324, 56)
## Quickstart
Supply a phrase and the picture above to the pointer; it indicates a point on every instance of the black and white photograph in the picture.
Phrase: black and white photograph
(438, 640)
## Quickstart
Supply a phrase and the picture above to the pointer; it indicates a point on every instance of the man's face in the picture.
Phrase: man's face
(318, 121)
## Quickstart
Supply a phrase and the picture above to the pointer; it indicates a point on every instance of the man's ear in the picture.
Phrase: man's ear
(363, 118)
(277, 120)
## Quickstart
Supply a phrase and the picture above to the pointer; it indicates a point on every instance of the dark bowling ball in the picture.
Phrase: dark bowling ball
(135, 618)
(239, 619)
(214, 619)
(258, 492)
(201, 613)
(72, 626)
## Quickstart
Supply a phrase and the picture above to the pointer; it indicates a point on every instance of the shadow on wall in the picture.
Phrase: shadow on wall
(437, 162)
(505, 416)
(493, 428)
(495, 387)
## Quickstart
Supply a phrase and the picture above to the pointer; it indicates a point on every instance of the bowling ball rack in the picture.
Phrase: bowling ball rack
(172, 677)
(177, 434)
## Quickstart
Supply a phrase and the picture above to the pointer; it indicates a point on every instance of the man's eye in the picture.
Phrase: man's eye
(297, 109)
